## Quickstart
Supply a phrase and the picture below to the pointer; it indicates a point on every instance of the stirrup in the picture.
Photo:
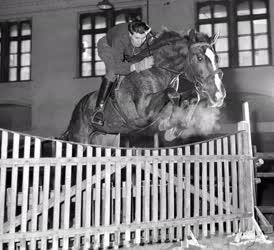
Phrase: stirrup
(98, 120)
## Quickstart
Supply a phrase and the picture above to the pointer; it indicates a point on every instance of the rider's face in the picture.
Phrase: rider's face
(137, 39)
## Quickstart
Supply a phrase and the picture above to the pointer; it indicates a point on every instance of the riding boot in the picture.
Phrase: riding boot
(97, 116)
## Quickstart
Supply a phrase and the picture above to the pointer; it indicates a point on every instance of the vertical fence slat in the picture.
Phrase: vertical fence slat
(212, 187)
(107, 197)
(171, 194)
(138, 198)
(128, 195)
(25, 189)
(87, 222)
(78, 198)
(220, 185)
(3, 173)
(196, 187)
(227, 182)
(187, 190)
(155, 195)
(97, 197)
(45, 205)
(147, 195)
(117, 196)
(179, 200)
(15, 155)
(240, 178)
(163, 195)
(57, 184)
(35, 189)
(234, 181)
(204, 188)
(67, 195)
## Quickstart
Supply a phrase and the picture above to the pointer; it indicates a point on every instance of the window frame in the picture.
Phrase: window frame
(232, 20)
(110, 16)
(5, 49)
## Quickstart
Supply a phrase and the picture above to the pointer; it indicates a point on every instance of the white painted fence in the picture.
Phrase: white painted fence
(85, 196)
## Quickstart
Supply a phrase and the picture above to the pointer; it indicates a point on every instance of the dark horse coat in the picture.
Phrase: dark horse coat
(141, 103)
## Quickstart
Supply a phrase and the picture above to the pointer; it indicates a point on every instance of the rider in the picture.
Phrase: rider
(122, 41)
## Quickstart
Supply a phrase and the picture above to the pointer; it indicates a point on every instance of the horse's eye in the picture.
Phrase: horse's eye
(200, 58)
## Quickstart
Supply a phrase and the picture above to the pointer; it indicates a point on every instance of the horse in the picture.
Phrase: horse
(141, 103)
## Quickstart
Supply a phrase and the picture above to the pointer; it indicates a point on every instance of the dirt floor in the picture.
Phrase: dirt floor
(222, 243)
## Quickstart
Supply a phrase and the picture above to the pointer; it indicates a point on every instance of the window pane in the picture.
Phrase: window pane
(97, 57)
(12, 74)
(98, 37)
(25, 73)
(259, 7)
(206, 28)
(86, 23)
(100, 22)
(245, 58)
(86, 55)
(244, 28)
(244, 42)
(205, 13)
(86, 69)
(223, 59)
(120, 19)
(100, 68)
(86, 41)
(261, 42)
(243, 9)
(13, 60)
(221, 44)
(13, 47)
(261, 57)
(260, 26)
(13, 30)
(221, 29)
(25, 46)
(26, 30)
(220, 11)
(25, 59)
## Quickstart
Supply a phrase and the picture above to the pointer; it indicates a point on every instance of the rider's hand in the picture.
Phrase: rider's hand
(146, 63)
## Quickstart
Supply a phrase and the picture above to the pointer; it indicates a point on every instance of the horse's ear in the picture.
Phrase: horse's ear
(192, 35)
(213, 39)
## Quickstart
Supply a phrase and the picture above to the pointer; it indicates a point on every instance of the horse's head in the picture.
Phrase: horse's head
(202, 68)
(194, 56)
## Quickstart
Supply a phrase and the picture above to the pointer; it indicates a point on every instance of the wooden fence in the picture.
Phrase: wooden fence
(82, 196)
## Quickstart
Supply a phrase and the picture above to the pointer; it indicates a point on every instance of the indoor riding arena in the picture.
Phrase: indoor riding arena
(136, 124)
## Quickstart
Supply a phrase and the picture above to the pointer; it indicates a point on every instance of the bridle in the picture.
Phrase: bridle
(198, 84)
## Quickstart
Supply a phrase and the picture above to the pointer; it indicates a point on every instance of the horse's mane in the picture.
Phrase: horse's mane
(169, 37)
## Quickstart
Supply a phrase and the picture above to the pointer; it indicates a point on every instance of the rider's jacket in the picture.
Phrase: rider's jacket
(115, 47)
